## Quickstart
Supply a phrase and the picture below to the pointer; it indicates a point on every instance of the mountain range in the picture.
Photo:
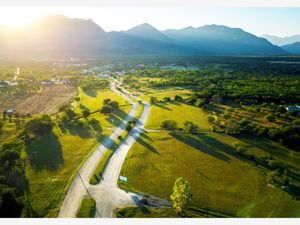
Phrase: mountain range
(280, 41)
(60, 36)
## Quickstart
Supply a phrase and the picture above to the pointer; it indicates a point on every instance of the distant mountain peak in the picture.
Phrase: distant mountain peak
(148, 31)
(280, 41)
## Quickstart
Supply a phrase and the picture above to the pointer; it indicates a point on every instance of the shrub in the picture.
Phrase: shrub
(169, 125)
(270, 118)
(191, 127)
(106, 101)
(106, 109)
(128, 127)
(296, 122)
(77, 98)
(63, 107)
(167, 99)
(178, 98)
(210, 119)
(114, 104)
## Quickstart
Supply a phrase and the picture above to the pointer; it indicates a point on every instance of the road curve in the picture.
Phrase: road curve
(107, 195)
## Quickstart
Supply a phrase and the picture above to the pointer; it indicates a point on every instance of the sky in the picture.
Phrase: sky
(279, 21)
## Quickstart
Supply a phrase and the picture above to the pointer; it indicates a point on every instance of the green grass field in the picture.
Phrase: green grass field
(220, 180)
(52, 159)
(87, 208)
(179, 112)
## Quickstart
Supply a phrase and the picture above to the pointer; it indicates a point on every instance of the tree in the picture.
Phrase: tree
(153, 100)
(270, 118)
(70, 113)
(77, 98)
(114, 104)
(182, 195)
(178, 98)
(39, 125)
(169, 125)
(191, 127)
(85, 113)
(10, 206)
(106, 109)
(211, 119)
(167, 99)
(128, 127)
(63, 107)
(106, 101)
(4, 115)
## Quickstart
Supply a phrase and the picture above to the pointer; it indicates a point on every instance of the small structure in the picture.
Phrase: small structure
(10, 111)
(293, 108)
(123, 178)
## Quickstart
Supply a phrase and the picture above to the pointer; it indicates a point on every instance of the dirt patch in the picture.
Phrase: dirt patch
(46, 101)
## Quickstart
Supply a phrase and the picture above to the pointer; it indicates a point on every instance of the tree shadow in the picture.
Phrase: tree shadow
(176, 103)
(82, 107)
(139, 204)
(162, 105)
(208, 145)
(147, 145)
(76, 128)
(45, 153)
(145, 136)
(91, 93)
(113, 119)
(266, 145)
(95, 124)
(120, 113)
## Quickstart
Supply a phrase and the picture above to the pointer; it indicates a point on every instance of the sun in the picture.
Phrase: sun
(15, 17)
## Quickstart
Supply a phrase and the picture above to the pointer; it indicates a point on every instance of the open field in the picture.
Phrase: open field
(45, 101)
(178, 112)
(52, 159)
(220, 180)
(87, 208)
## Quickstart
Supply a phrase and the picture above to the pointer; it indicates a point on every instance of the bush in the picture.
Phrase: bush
(169, 125)
(296, 122)
(106, 109)
(210, 119)
(128, 127)
(10, 205)
(106, 101)
(270, 118)
(167, 99)
(178, 98)
(200, 102)
(114, 104)
(275, 164)
(63, 107)
(191, 127)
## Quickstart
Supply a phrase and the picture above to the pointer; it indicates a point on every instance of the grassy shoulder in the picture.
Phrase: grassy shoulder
(220, 180)
(87, 208)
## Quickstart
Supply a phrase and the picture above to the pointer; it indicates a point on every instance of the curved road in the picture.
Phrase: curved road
(107, 195)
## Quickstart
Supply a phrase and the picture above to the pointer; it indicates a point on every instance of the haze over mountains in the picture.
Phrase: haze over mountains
(59, 36)
(280, 41)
